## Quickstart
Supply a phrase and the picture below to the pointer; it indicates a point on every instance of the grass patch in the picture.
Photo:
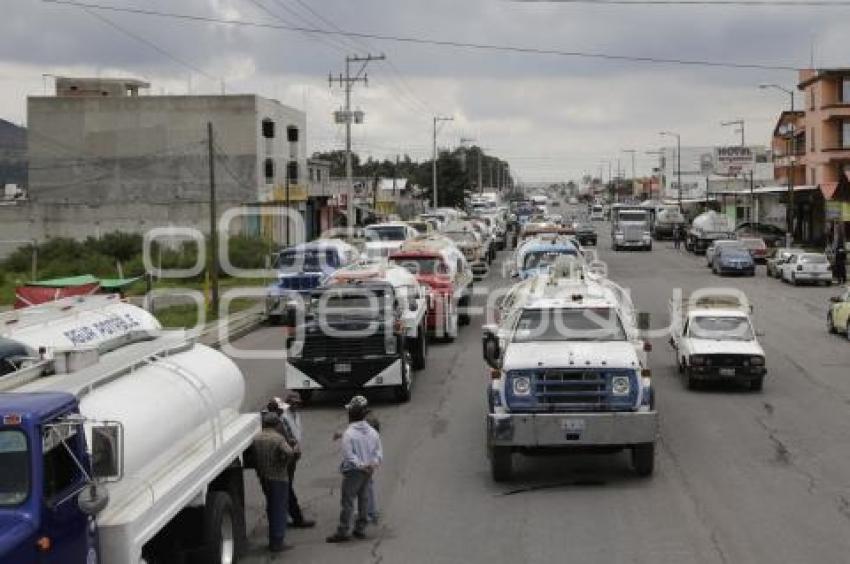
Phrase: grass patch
(186, 316)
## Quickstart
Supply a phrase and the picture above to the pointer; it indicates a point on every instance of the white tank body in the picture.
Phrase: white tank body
(711, 222)
(78, 322)
(168, 407)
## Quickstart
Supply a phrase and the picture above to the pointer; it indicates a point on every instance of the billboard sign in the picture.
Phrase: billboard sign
(734, 160)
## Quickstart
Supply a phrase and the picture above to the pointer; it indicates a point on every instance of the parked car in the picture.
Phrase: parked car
(757, 248)
(838, 318)
(773, 236)
(712, 249)
(733, 260)
(586, 234)
(774, 263)
(807, 267)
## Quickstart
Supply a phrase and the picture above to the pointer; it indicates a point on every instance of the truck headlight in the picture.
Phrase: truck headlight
(757, 360)
(620, 386)
(390, 343)
(697, 360)
(522, 386)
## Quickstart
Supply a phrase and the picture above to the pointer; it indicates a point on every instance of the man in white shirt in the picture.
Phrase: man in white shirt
(362, 453)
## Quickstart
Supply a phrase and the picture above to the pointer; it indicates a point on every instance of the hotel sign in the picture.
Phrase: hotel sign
(731, 161)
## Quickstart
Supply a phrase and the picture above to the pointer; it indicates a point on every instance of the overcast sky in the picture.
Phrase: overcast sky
(552, 117)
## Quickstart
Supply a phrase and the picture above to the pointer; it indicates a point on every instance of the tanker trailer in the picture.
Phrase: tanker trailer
(125, 451)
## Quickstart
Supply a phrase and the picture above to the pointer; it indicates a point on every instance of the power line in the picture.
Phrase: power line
(756, 3)
(150, 44)
(434, 42)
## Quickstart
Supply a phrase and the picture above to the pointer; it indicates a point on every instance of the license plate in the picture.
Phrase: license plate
(342, 367)
(572, 425)
(727, 372)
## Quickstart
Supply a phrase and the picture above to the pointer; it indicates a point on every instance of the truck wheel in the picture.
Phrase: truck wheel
(649, 247)
(757, 384)
(691, 382)
(501, 463)
(219, 529)
(463, 305)
(643, 459)
(419, 351)
(402, 392)
(794, 280)
(306, 396)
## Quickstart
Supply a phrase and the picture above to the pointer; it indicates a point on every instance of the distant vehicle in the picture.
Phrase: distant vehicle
(733, 260)
(472, 247)
(774, 263)
(597, 213)
(756, 246)
(773, 236)
(422, 227)
(438, 264)
(807, 267)
(712, 249)
(302, 268)
(714, 340)
(630, 228)
(537, 256)
(667, 219)
(355, 236)
(586, 234)
(838, 318)
(385, 238)
(555, 204)
(707, 227)
(568, 372)
(573, 201)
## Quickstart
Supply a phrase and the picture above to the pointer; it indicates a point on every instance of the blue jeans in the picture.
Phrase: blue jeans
(277, 497)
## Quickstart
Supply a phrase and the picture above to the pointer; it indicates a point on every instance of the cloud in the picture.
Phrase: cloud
(553, 117)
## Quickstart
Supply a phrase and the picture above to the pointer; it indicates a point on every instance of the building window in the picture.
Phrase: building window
(312, 174)
(845, 90)
(268, 167)
(844, 134)
(292, 134)
(812, 138)
(292, 171)
(318, 175)
(268, 128)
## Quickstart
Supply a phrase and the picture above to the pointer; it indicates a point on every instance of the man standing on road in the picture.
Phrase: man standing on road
(290, 427)
(841, 264)
(677, 237)
(273, 455)
(361, 454)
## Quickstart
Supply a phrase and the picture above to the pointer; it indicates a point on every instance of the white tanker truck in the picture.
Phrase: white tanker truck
(119, 442)
(706, 228)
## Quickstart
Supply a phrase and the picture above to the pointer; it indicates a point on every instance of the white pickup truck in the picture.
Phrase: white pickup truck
(714, 339)
(568, 372)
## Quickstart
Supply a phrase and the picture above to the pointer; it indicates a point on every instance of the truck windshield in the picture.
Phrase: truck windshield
(588, 324)
(313, 259)
(360, 304)
(540, 259)
(419, 266)
(14, 468)
(724, 328)
(631, 216)
(388, 233)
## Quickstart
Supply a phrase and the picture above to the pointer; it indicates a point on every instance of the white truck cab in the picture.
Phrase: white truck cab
(713, 338)
(568, 371)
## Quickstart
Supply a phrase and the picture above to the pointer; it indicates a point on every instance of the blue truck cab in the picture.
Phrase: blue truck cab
(44, 467)
(538, 256)
(303, 268)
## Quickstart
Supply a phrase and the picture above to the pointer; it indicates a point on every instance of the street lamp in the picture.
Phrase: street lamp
(789, 213)
(678, 161)
(660, 176)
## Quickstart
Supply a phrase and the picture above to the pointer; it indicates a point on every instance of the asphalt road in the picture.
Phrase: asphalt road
(740, 476)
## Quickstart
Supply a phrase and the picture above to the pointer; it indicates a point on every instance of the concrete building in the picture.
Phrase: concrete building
(104, 157)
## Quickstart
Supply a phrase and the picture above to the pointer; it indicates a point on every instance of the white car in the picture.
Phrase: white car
(383, 239)
(807, 267)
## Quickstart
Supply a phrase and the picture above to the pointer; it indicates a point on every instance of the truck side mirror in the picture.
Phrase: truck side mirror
(93, 499)
(643, 320)
(490, 346)
(107, 448)
(835, 299)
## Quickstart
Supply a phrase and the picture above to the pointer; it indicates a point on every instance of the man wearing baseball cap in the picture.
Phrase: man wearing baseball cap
(362, 453)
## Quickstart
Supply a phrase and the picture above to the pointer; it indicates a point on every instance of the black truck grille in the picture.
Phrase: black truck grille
(322, 346)
(727, 360)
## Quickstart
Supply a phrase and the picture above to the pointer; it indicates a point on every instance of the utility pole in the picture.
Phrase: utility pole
(213, 269)
(347, 82)
(740, 123)
(437, 119)
(634, 178)
(789, 212)
(678, 163)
